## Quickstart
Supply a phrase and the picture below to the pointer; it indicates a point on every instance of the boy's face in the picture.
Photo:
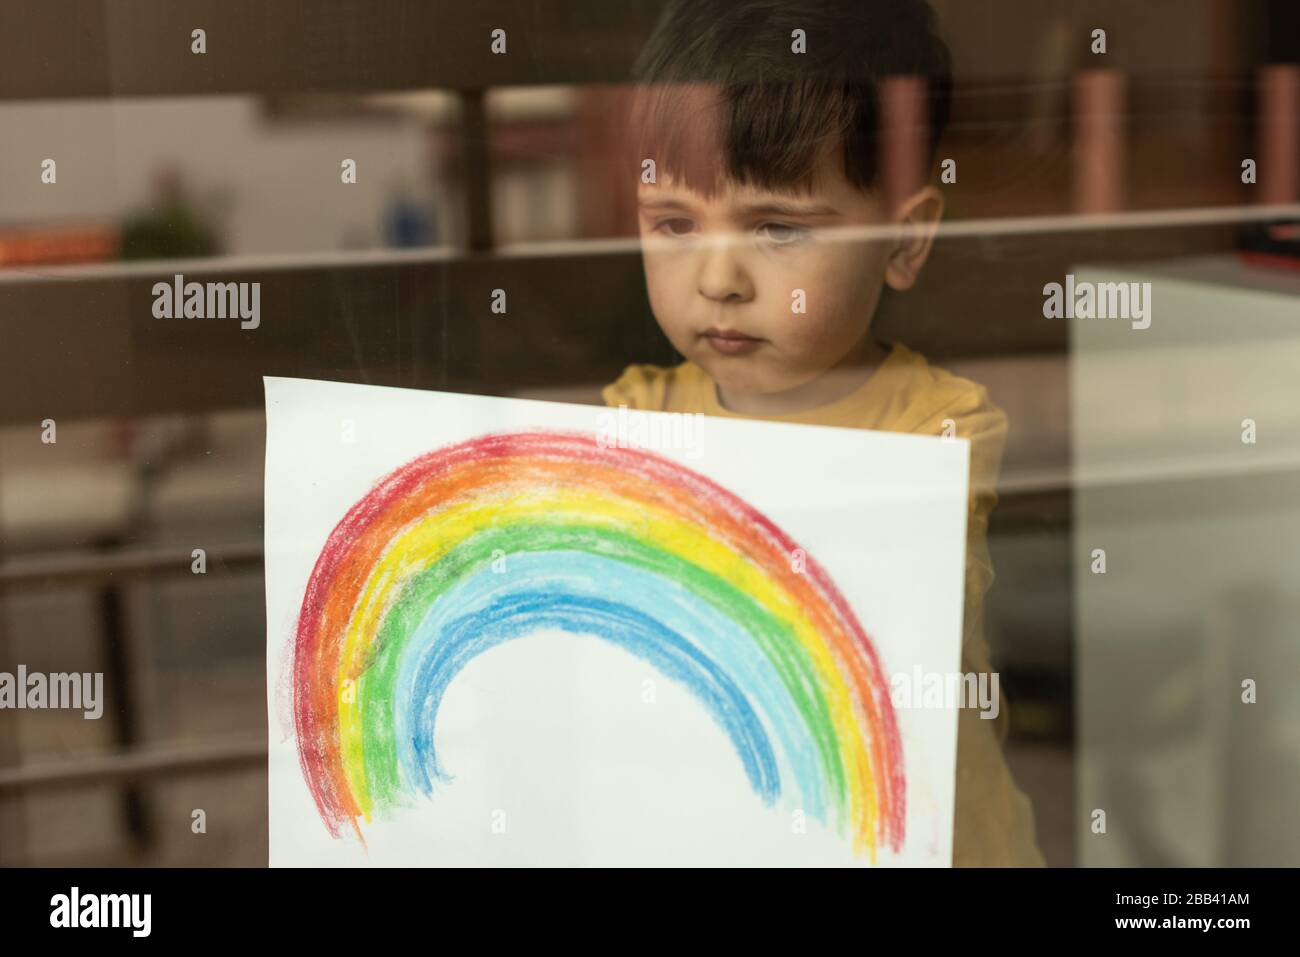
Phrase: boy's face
(723, 274)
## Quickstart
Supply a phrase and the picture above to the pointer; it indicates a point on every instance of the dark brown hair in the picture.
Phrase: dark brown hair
(720, 92)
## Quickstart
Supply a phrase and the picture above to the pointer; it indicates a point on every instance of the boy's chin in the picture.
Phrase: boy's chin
(745, 376)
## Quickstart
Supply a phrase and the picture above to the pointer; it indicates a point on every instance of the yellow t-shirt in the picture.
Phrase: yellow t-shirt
(994, 823)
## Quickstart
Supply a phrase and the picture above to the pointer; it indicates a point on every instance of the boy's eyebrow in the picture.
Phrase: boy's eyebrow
(788, 209)
(665, 203)
(752, 209)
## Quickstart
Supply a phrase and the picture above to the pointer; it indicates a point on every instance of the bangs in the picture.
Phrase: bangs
(771, 135)
(721, 95)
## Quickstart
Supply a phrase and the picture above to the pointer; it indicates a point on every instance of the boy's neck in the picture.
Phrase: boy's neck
(844, 378)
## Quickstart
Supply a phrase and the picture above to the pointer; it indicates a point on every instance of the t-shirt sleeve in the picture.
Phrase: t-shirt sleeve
(974, 417)
(639, 387)
(986, 427)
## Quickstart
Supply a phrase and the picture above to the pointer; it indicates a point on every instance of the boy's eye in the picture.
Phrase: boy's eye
(676, 226)
(783, 234)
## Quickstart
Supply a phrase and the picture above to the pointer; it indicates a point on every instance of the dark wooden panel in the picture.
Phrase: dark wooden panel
(67, 48)
(93, 347)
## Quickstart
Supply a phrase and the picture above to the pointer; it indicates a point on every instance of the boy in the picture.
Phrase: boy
(765, 160)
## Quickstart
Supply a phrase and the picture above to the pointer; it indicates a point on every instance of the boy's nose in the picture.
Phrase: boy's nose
(723, 276)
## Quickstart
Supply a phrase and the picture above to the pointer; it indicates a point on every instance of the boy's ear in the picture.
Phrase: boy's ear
(917, 217)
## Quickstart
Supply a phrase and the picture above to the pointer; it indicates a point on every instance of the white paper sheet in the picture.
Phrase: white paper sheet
(564, 746)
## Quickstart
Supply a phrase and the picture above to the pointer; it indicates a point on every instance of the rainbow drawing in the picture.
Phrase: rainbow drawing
(494, 538)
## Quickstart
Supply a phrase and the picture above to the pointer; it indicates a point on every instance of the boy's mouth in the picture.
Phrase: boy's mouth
(729, 342)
